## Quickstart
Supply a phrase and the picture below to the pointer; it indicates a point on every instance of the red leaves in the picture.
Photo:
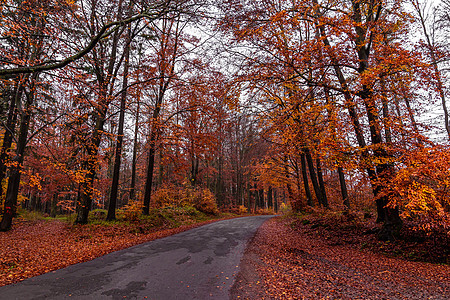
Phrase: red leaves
(34, 248)
(302, 265)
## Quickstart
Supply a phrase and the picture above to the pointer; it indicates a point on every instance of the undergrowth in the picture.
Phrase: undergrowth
(131, 216)
(358, 228)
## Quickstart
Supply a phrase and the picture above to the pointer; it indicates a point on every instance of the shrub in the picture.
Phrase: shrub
(190, 210)
(30, 215)
(99, 213)
(204, 201)
(132, 211)
(285, 209)
(242, 209)
(200, 199)
(169, 196)
(264, 211)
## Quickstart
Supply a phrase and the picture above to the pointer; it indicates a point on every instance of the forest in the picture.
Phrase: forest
(228, 105)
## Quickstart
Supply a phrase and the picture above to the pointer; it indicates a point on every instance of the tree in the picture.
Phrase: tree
(166, 57)
(433, 50)
(118, 149)
(278, 99)
(350, 53)
(104, 71)
(153, 12)
(33, 46)
(36, 61)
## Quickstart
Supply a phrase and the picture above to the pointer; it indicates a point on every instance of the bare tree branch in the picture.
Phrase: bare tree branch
(103, 33)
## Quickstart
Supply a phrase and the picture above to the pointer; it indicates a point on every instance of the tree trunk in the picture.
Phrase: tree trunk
(299, 201)
(275, 200)
(321, 184)
(386, 115)
(15, 171)
(349, 103)
(313, 177)
(33, 202)
(305, 180)
(344, 192)
(255, 197)
(86, 193)
(161, 167)
(134, 159)
(294, 203)
(249, 197)
(219, 180)
(270, 197)
(411, 116)
(342, 184)
(118, 155)
(384, 171)
(90, 165)
(261, 199)
(150, 168)
(151, 156)
(54, 205)
(194, 170)
(387, 215)
(9, 131)
(166, 68)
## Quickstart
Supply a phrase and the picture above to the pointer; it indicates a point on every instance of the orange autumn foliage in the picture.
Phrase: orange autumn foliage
(421, 188)
(201, 199)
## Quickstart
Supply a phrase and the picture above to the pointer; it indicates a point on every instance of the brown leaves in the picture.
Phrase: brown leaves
(301, 265)
(38, 247)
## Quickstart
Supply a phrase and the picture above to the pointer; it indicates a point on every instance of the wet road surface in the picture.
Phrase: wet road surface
(197, 264)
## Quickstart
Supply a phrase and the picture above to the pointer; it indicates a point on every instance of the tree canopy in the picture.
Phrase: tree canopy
(333, 104)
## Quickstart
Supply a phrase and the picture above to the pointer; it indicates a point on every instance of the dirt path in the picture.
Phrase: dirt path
(281, 263)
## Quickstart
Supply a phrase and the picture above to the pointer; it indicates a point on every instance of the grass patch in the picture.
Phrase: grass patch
(27, 215)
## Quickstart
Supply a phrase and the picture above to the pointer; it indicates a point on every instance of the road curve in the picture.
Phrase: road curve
(196, 264)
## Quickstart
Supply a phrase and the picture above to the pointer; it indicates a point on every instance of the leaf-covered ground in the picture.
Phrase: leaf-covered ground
(35, 247)
(286, 261)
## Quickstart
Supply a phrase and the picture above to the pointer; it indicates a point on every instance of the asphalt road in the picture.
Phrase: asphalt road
(197, 264)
